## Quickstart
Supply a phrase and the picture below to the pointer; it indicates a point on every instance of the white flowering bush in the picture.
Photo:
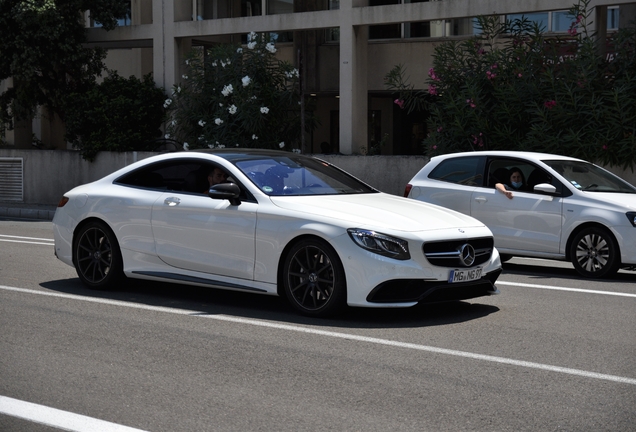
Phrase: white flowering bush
(237, 97)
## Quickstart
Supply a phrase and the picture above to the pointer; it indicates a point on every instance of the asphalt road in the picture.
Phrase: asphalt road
(552, 352)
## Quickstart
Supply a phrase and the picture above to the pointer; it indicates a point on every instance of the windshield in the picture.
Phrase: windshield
(295, 175)
(590, 178)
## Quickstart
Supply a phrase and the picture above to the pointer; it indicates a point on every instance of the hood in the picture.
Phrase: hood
(621, 200)
(378, 211)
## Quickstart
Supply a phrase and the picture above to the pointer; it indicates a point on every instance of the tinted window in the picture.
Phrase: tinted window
(180, 175)
(465, 171)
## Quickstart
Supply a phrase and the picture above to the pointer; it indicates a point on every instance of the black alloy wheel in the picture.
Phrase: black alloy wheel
(314, 278)
(594, 253)
(97, 256)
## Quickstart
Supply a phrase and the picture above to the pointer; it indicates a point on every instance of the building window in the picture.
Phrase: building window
(387, 31)
(124, 20)
(541, 18)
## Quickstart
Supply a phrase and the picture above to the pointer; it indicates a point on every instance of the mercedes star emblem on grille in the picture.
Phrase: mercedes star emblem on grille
(467, 255)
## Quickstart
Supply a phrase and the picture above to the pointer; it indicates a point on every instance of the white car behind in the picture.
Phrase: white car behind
(570, 209)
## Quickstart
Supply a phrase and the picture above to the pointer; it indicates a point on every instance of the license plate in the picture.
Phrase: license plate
(468, 275)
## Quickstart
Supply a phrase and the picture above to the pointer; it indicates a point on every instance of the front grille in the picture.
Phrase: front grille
(448, 253)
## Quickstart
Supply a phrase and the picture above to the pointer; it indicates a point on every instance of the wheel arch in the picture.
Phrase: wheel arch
(81, 225)
(586, 225)
(280, 289)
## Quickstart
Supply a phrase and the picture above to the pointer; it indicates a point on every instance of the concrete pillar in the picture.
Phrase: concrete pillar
(164, 45)
(353, 80)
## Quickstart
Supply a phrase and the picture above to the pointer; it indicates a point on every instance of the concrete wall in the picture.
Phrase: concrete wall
(48, 174)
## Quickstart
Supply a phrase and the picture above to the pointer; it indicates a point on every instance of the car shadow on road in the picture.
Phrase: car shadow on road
(211, 301)
(546, 272)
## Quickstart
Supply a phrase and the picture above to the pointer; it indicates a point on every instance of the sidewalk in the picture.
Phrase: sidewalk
(27, 211)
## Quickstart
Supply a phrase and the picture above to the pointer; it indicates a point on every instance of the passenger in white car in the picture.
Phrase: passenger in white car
(517, 182)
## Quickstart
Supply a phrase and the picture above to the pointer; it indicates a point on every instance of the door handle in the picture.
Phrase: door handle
(481, 199)
(172, 201)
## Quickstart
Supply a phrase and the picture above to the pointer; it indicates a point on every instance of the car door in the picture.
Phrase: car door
(528, 222)
(452, 183)
(196, 232)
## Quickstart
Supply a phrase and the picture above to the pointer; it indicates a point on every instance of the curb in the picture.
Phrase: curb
(26, 213)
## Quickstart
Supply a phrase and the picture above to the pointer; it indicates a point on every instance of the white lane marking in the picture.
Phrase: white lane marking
(57, 418)
(25, 238)
(556, 288)
(27, 242)
(259, 323)
(20, 239)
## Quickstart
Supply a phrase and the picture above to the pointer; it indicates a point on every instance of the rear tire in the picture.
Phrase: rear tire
(594, 253)
(97, 257)
(314, 278)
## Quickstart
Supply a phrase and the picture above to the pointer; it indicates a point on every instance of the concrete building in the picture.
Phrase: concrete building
(343, 49)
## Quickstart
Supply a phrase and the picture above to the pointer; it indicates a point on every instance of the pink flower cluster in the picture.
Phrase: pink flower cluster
(399, 102)
(491, 75)
(478, 140)
(549, 104)
(572, 31)
(432, 89)
(471, 103)
(431, 73)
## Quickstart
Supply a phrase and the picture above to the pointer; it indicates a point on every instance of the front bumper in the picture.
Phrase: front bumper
(423, 291)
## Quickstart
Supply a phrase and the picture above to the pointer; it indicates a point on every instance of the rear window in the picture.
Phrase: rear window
(465, 171)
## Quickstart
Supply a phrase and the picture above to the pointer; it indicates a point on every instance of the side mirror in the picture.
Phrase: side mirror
(228, 191)
(545, 188)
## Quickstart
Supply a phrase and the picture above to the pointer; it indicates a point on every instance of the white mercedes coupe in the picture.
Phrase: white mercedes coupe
(280, 224)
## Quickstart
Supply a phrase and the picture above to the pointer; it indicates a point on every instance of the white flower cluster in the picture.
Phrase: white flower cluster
(232, 109)
(201, 123)
(167, 103)
(296, 151)
(281, 144)
(254, 137)
(251, 45)
(227, 90)
(292, 74)
(246, 81)
(264, 110)
(218, 121)
(270, 47)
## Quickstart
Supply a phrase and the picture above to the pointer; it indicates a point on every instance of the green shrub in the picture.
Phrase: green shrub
(233, 96)
(512, 88)
(117, 115)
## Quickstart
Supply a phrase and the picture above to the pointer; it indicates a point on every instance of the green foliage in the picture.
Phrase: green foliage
(233, 96)
(41, 48)
(117, 115)
(512, 88)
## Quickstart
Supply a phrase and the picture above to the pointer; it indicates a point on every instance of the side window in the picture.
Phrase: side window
(160, 176)
(465, 171)
(501, 170)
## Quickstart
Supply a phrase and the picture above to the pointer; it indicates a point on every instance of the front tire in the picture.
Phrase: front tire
(97, 257)
(314, 278)
(594, 253)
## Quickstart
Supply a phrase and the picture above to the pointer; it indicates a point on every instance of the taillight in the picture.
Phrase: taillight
(407, 190)
(62, 202)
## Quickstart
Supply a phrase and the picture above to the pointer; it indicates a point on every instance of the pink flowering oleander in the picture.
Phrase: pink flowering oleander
(550, 104)
(432, 90)
(399, 102)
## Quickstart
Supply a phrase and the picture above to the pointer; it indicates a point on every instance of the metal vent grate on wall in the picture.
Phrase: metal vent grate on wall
(11, 179)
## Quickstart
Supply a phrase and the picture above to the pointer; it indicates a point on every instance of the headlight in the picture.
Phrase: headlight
(381, 244)
(632, 218)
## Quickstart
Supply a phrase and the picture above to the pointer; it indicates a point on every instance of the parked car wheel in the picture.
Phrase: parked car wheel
(314, 278)
(97, 256)
(594, 253)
